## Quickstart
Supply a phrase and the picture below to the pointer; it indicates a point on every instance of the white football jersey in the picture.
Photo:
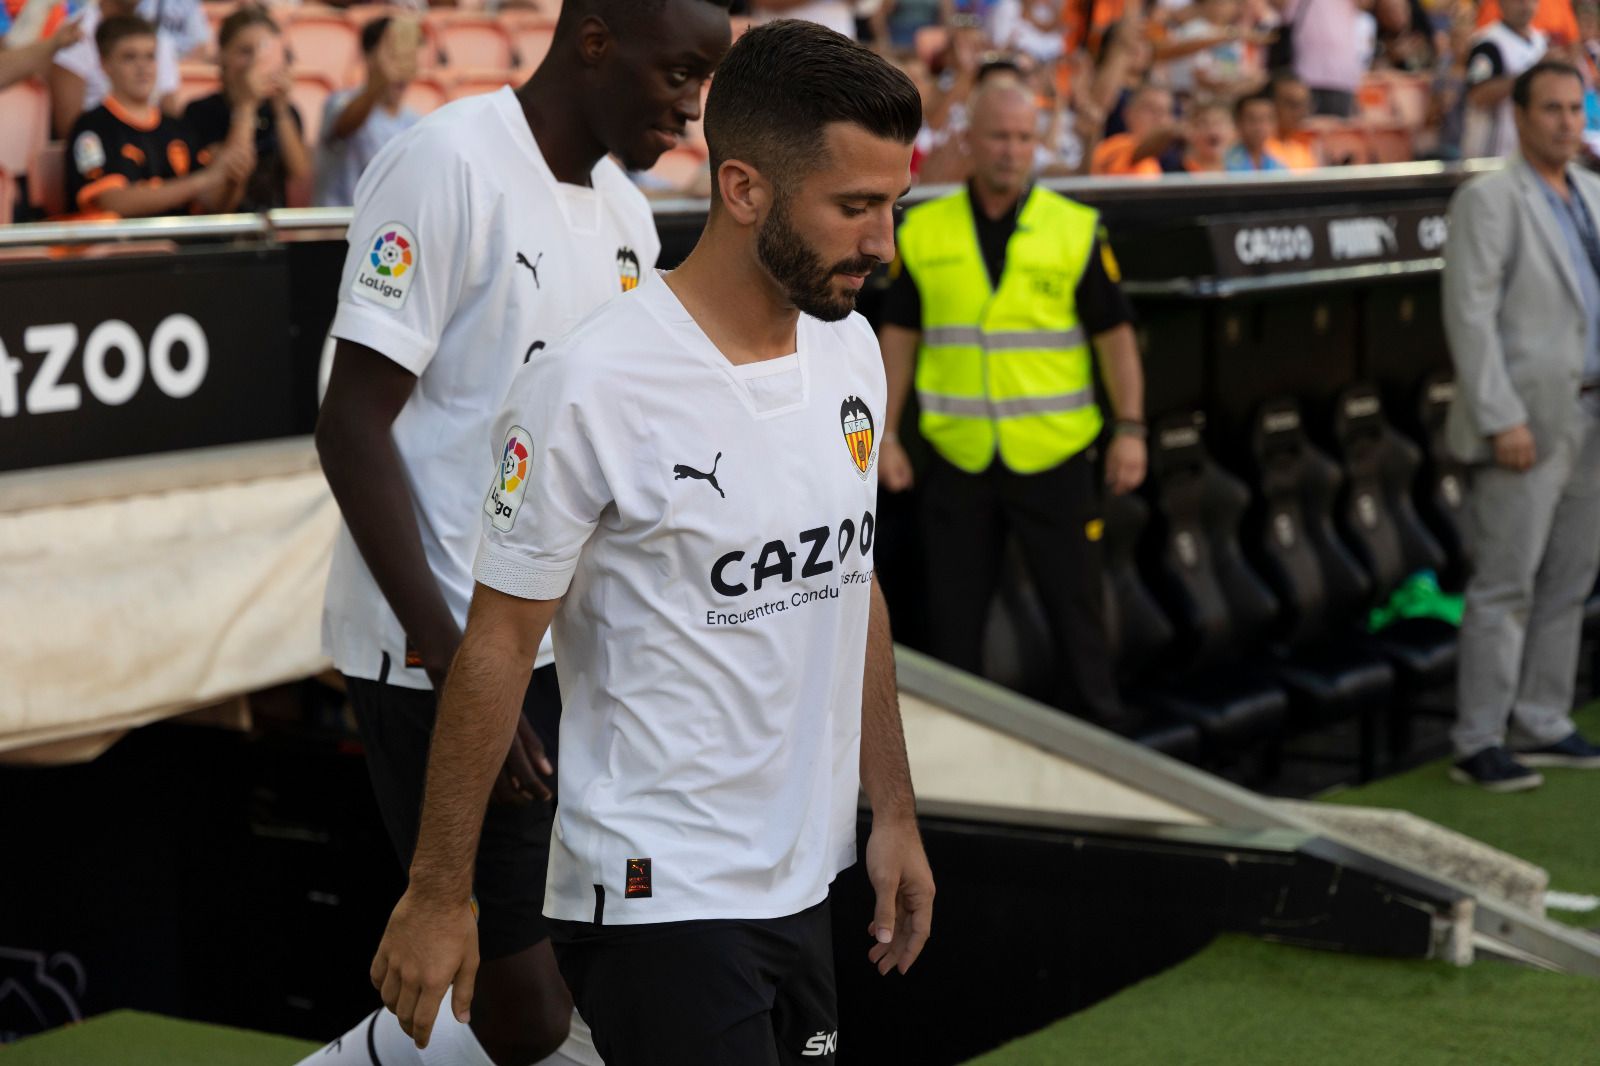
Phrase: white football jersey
(710, 528)
(466, 258)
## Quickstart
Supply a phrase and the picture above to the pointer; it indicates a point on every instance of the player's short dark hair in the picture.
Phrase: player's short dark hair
(783, 83)
(620, 15)
(120, 28)
(1263, 97)
(242, 20)
(372, 33)
(1522, 88)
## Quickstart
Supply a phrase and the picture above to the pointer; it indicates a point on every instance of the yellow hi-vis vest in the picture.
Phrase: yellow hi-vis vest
(1006, 369)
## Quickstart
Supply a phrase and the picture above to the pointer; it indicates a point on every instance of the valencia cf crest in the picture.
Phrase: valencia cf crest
(855, 422)
(628, 269)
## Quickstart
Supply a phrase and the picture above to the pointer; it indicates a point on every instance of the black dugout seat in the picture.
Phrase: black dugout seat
(1328, 667)
(1441, 488)
(1220, 614)
(1379, 522)
(1138, 632)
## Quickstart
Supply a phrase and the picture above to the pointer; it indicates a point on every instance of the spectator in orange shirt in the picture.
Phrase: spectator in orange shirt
(1151, 130)
(1553, 18)
(1294, 146)
(1207, 136)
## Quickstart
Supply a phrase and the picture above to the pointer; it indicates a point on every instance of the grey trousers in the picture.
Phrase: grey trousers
(1536, 547)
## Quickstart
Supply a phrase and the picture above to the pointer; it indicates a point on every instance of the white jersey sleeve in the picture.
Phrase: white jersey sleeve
(547, 455)
(411, 247)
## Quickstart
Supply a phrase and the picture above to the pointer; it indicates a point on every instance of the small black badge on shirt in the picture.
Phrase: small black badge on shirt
(638, 885)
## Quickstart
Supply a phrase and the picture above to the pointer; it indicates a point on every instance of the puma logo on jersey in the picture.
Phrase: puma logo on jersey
(683, 471)
(533, 267)
(821, 1045)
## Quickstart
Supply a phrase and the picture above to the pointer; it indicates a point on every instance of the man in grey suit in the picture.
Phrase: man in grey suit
(1522, 313)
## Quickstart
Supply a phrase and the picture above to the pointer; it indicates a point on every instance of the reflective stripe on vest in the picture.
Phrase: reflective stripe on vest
(1003, 370)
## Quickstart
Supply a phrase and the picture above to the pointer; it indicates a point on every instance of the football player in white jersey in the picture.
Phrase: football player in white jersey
(688, 492)
(479, 236)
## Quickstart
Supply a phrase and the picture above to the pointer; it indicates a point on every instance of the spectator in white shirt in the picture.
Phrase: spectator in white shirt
(358, 122)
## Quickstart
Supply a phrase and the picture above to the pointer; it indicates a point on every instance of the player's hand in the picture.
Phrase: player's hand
(1514, 448)
(522, 778)
(894, 466)
(898, 870)
(1125, 464)
(426, 950)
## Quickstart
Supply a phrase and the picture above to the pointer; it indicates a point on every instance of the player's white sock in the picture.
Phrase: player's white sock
(377, 1040)
(454, 1044)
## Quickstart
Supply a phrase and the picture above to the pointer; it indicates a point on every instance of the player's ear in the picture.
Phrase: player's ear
(745, 192)
(594, 40)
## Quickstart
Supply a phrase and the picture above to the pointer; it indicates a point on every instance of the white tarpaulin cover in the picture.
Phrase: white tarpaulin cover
(138, 589)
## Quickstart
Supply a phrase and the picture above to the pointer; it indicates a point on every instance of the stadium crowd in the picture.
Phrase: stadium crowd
(143, 107)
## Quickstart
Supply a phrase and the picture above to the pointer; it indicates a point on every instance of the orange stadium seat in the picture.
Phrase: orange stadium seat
(678, 167)
(426, 94)
(326, 44)
(47, 181)
(26, 127)
(1390, 142)
(475, 82)
(1339, 143)
(309, 94)
(530, 40)
(196, 79)
(469, 40)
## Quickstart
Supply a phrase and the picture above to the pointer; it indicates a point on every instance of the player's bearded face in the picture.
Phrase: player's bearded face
(815, 288)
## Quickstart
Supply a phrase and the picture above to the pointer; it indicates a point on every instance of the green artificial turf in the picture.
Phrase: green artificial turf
(1243, 1001)
(129, 1038)
(1552, 827)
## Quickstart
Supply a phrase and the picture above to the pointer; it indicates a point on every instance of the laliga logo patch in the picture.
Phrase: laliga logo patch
(390, 267)
(855, 422)
(510, 481)
(628, 269)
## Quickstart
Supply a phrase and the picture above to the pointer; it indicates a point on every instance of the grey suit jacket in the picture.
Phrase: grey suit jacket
(1513, 311)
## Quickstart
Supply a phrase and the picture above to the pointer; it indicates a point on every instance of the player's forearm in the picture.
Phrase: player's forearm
(477, 717)
(1122, 371)
(899, 364)
(382, 519)
(885, 770)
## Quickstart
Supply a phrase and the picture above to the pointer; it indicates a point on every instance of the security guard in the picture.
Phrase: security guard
(999, 289)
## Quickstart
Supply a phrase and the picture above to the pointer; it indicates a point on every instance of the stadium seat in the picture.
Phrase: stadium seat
(679, 168)
(1389, 142)
(530, 43)
(1326, 665)
(47, 180)
(477, 82)
(1442, 482)
(309, 94)
(325, 44)
(1379, 521)
(426, 94)
(466, 40)
(196, 79)
(1220, 613)
(1137, 631)
(26, 127)
(1339, 143)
